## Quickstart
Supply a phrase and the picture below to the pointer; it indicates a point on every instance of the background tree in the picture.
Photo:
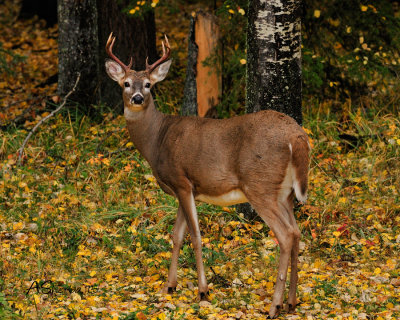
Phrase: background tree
(78, 50)
(84, 27)
(274, 57)
(273, 61)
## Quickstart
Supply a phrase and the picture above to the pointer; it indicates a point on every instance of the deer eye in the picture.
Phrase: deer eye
(126, 84)
(147, 85)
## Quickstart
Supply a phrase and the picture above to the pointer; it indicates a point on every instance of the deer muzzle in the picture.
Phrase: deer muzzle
(137, 99)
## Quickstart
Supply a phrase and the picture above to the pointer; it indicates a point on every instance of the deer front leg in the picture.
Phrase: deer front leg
(177, 239)
(186, 202)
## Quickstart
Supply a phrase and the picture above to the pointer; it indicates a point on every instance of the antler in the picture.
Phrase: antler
(165, 56)
(109, 46)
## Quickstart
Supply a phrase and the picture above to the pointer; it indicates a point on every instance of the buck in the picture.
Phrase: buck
(261, 158)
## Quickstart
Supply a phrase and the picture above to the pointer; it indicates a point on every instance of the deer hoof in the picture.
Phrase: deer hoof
(204, 296)
(274, 311)
(292, 307)
(171, 290)
(168, 290)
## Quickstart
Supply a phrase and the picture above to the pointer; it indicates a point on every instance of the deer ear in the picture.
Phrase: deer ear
(159, 73)
(114, 70)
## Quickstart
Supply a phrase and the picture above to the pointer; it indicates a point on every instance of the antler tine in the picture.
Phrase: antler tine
(109, 47)
(165, 56)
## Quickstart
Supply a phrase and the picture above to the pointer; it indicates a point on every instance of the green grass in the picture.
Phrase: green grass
(79, 219)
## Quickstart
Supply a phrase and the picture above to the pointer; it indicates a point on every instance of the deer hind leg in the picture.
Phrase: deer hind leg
(271, 212)
(288, 207)
(186, 201)
(178, 235)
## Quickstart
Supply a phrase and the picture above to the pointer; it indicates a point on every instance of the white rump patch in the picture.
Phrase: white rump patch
(301, 197)
(290, 183)
(287, 184)
(227, 199)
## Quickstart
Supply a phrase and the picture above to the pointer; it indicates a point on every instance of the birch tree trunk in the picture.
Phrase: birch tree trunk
(273, 61)
(274, 57)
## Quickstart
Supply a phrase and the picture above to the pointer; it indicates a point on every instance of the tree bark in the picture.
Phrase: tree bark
(208, 77)
(274, 57)
(78, 50)
(189, 106)
(84, 27)
(203, 82)
(273, 61)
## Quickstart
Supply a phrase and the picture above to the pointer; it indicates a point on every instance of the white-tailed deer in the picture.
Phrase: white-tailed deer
(262, 158)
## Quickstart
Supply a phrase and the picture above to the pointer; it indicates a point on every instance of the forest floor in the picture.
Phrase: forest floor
(85, 232)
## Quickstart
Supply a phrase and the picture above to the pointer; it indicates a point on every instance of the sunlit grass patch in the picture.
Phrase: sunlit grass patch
(84, 213)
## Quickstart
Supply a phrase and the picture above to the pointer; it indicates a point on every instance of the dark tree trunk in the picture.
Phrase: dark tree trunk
(136, 37)
(84, 27)
(274, 57)
(78, 50)
(273, 60)
(189, 106)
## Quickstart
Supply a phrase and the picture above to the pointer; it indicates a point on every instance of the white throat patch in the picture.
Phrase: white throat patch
(130, 114)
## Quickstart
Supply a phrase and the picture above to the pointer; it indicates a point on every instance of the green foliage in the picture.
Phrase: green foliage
(6, 312)
(233, 23)
(8, 60)
(350, 48)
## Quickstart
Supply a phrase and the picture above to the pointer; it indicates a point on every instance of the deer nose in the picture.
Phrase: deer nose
(137, 99)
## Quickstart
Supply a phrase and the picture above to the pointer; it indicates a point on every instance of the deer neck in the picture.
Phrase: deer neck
(144, 127)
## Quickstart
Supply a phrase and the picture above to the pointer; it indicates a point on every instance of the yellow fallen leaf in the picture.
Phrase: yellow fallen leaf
(36, 298)
(18, 226)
(342, 200)
(109, 277)
(162, 316)
(22, 184)
(118, 249)
(377, 271)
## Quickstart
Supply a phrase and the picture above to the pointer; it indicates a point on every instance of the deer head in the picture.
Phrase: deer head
(136, 85)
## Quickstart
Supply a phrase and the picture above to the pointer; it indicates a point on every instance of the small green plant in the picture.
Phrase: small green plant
(8, 60)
